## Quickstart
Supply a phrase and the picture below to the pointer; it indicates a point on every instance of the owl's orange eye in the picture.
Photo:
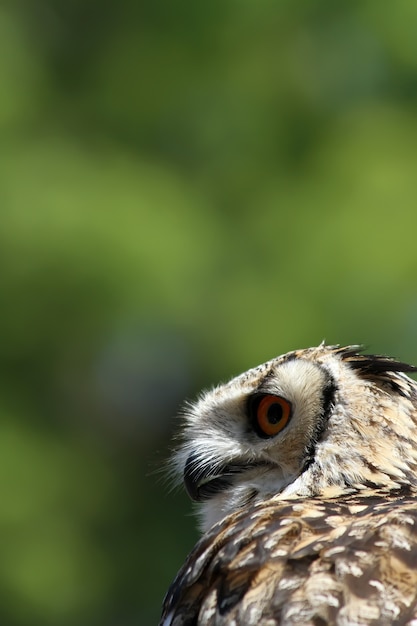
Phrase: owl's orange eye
(270, 414)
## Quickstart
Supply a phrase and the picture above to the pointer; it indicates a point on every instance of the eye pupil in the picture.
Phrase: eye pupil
(274, 413)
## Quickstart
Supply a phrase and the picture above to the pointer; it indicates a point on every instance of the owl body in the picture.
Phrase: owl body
(305, 471)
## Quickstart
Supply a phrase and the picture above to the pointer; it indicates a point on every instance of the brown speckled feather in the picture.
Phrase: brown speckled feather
(348, 561)
(336, 542)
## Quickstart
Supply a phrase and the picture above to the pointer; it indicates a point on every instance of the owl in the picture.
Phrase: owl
(304, 470)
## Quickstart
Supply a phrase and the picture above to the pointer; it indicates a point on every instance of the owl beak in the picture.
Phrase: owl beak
(203, 481)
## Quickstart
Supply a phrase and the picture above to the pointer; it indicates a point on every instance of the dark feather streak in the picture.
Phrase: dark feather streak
(373, 363)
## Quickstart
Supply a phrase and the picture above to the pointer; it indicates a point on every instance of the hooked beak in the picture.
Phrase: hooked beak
(202, 483)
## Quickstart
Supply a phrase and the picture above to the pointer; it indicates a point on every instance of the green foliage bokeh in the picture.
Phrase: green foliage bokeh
(186, 190)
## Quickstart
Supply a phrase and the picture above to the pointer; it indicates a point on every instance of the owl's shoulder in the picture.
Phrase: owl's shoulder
(320, 561)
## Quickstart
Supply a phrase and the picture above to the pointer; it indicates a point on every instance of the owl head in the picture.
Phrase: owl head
(318, 422)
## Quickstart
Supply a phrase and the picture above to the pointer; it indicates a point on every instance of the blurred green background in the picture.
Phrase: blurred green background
(186, 189)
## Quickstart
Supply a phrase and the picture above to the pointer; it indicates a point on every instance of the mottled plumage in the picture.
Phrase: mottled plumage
(306, 473)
